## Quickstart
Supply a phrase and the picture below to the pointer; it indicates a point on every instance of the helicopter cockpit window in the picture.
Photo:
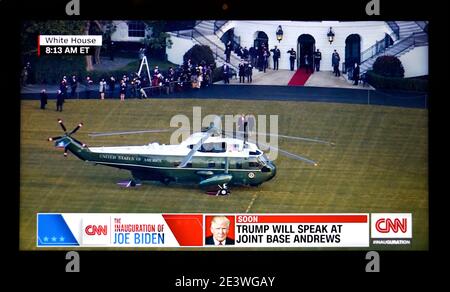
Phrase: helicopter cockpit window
(257, 152)
(213, 147)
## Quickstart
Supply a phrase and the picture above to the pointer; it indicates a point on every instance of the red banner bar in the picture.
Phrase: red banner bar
(301, 219)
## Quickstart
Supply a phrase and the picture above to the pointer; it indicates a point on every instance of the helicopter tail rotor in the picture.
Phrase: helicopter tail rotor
(62, 125)
(76, 129)
(64, 140)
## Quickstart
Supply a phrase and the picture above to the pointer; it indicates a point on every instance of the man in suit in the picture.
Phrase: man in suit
(356, 74)
(220, 226)
(44, 98)
(226, 74)
(276, 55)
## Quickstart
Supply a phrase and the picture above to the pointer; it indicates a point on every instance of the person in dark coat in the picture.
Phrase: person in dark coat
(73, 86)
(59, 101)
(292, 57)
(335, 59)
(226, 73)
(220, 227)
(44, 98)
(317, 59)
(356, 74)
(249, 71)
(276, 55)
(228, 49)
(241, 72)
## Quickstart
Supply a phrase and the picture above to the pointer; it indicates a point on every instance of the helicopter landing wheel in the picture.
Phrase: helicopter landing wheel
(223, 190)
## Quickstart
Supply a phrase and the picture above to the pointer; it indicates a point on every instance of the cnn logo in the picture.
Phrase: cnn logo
(96, 230)
(391, 225)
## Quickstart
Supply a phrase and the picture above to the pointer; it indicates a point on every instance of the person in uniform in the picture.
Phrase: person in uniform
(317, 58)
(292, 57)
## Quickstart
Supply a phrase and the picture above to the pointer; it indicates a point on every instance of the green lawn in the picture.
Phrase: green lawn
(379, 163)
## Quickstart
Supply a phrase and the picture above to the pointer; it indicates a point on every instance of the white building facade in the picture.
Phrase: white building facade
(353, 40)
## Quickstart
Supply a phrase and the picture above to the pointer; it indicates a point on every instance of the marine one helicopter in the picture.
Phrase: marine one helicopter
(210, 158)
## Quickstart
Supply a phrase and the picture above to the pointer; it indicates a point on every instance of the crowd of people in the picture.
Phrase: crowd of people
(176, 79)
(187, 75)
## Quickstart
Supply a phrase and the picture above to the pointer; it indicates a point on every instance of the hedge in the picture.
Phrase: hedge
(408, 84)
(51, 69)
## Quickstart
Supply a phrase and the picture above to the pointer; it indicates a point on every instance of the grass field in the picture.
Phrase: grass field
(379, 163)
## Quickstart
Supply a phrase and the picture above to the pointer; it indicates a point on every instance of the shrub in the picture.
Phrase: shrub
(51, 69)
(388, 66)
(198, 54)
(408, 84)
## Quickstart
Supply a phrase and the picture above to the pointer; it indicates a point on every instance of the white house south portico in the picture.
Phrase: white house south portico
(355, 41)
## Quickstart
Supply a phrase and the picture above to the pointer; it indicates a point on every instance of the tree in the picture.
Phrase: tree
(95, 27)
(156, 38)
(32, 29)
(199, 53)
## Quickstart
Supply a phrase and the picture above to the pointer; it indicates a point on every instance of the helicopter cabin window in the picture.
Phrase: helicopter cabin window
(213, 147)
(257, 152)
(176, 163)
(238, 165)
(253, 164)
(189, 165)
(211, 164)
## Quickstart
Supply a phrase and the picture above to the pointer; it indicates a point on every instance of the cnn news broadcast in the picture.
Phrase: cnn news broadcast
(224, 134)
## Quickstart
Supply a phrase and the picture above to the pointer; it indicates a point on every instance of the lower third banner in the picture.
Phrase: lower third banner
(202, 230)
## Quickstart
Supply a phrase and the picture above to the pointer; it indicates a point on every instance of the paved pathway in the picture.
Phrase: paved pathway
(327, 79)
(106, 64)
(271, 77)
(282, 78)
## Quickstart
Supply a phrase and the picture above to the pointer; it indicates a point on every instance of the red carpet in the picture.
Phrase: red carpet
(300, 77)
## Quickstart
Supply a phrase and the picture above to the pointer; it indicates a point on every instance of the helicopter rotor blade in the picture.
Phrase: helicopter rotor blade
(197, 146)
(294, 138)
(62, 125)
(54, 138)
(76, 129)
(288, 154)
(127, 132)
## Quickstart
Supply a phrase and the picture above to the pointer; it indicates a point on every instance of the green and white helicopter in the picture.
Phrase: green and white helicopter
(212, 159)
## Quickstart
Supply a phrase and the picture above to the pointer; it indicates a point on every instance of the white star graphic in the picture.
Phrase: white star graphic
(61, 238)
(46, 238)
(53, 238)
